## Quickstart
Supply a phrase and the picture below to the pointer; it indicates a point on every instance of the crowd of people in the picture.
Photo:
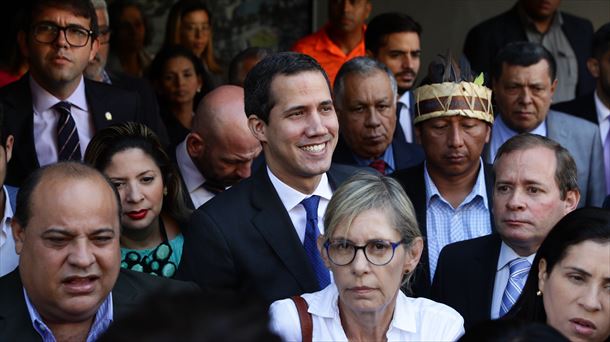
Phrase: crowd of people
(319, 194)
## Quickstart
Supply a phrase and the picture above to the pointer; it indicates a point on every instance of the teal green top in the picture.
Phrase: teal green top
(156, 260)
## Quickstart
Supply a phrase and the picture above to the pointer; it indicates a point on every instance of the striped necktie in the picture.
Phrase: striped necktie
(518, 268)
(310, 241)
(68, 145)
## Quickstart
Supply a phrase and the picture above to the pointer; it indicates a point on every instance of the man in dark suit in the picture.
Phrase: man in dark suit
(595, 106)
(451, 190)
(535, 187)
(53, 111)
(567, 36)
(8, 258)
(394, 39)
(365, 100)
(250, 239)
(68, 286)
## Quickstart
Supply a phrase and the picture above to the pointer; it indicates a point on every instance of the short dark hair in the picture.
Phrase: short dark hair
(238, 61)
(80, 8)
(115, 10)
(522, 54)
(511, 330)
(257, 86)
(155, 71)
(580, 225)
(61, 170)
(362, 66)
(566, 172)
(385, 24)
(601, 41)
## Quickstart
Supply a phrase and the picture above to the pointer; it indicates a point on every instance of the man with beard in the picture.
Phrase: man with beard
(220, 148)
(451, 190)
(341, 39)
(393, 39)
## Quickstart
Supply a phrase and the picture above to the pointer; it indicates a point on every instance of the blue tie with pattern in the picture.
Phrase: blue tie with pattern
(518, 268)
(68, 145)
(311, 236)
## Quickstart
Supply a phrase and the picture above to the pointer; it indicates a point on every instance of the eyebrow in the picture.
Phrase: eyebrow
(579, 270)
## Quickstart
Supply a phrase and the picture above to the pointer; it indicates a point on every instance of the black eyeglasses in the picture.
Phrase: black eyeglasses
(377, 252)
(47, 33)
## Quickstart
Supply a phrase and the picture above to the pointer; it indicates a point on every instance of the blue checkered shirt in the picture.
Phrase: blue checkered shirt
(102, 320)
(445, 224)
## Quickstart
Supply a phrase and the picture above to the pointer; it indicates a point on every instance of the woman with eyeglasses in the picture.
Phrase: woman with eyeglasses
(152, 200)
(371, 245)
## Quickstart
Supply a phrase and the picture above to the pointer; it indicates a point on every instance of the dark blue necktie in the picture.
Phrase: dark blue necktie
(311, 236)
(68, 144)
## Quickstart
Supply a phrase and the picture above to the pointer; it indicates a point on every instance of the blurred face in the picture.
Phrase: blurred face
(57, 66)
(368, 114)
(523, 95)
(600, 69)
(195, 31)
(96, 65)
(140, 184)
(576, 293)
(452, 144)
(364, 287)
(540, 9)
(401, 53)
(348, 15)
(527, 201)
(69, 254)
(6, 152)
(132, 31)
(179, 81)
(301, 133)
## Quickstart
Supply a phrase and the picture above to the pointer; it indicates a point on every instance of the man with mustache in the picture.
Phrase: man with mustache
(524, 80)
(53, 111)
(341, 39)
(69, 285)
(535, 187)
(451, 190)
(394, 39)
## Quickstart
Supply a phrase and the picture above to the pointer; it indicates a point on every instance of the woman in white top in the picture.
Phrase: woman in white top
(371, 245)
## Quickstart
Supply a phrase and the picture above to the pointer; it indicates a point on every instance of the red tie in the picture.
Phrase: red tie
(378, 165)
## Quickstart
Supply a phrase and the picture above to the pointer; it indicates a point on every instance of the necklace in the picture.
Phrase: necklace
(157, 262)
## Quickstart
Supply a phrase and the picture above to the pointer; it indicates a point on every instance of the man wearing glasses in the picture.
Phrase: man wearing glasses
(52, 111)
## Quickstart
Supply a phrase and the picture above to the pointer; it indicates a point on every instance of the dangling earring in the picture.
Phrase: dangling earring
(164, 191)
(199, 89)
(539, 293)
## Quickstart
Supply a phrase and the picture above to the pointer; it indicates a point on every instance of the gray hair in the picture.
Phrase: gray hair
(100, 4)
(365, 191)
(362, 66)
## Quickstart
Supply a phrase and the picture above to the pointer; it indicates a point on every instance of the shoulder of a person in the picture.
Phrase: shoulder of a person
(146, 282)
(584, 126)
(571, 19)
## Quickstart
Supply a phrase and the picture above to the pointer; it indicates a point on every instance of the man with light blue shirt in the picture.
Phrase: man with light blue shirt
(524, 81)
(8, 258)
(451, 190)
(365, 94)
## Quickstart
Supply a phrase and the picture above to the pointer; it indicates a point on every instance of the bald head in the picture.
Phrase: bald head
(220, 143)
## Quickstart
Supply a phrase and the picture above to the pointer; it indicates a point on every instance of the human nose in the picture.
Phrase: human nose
(372, 119)
(408, 61)
(316, 125)
(590, 300)
(244, 170)
(455, 136)
(515, 200)
(81, 254)
(61, 39)
(525, 96)
(360, 264)
(133, 193)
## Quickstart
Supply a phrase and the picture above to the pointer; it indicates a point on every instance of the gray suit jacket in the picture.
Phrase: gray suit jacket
(581, 138)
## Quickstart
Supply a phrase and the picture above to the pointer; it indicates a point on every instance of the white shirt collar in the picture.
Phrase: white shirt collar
(478, 189)
(507, 255)
(191, 175)
(603, 116)
(405, 99)
(291, 197)
(42, 100)
(5, 224)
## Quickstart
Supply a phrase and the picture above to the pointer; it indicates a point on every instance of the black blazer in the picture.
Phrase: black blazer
(124, 105)
(405, 154)
(582, 106)
(485, 40)
(412, 180)
(465, 276)
(129, 291)
(243, 242)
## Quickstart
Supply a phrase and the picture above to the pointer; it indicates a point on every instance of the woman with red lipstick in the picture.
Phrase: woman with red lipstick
(180, 83)
(152, 199)
(371, 245)
(568, 286)
(189, 24)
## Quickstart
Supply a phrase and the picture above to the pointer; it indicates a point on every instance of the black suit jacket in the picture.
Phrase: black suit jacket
(243, 241)
(405, 154)
(412, 180)
(129, 291)
(465, 276)
(16, 100)
(485, 40)
(582, 106)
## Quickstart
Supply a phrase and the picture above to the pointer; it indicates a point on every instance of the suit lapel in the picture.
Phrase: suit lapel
(274, 224)
(484, 271)
(103, 109)
(555, 128)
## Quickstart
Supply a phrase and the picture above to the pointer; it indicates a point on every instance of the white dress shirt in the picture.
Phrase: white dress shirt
(500, 133)
(414, 319)
(8, 257)
(507, 255)
(46, 119)
(405, 116)
(193, 179)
